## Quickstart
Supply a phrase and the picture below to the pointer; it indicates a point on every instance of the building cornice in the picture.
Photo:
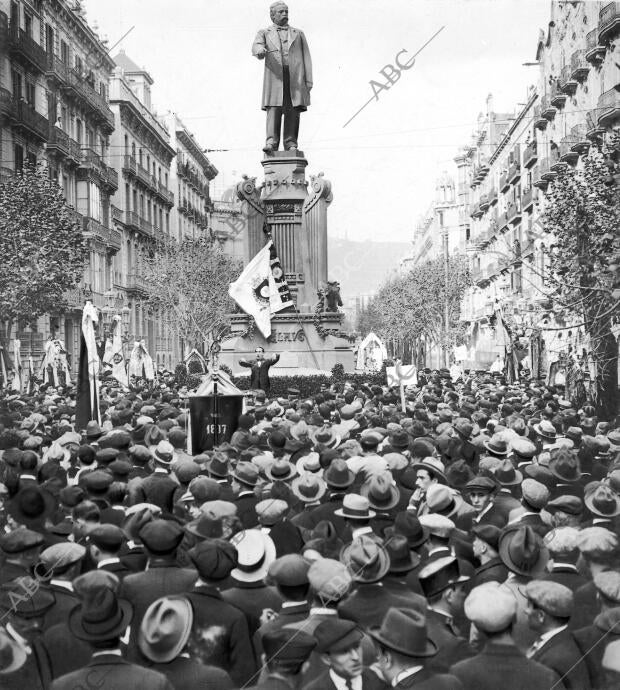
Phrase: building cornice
(510, 131)
(187, 139)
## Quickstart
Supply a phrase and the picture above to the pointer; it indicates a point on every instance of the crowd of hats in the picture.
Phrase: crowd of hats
(333, 494)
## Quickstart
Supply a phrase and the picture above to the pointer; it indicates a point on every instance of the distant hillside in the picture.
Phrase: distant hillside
(361, 267)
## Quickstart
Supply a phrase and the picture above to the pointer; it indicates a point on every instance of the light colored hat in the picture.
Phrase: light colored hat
(165, 629)
(596, 541)
(139, 507)
(256, 552)
(437, 525)
(611, 657)
(13, 654)
(270, 511)
(355, 507)
(552, 597)
(309, 487)
(535, 493)
(608, 584)
(309, 463)
(164, 452)
(562, 541)
(434, 466)
(546, 430)
(491, 607)
(329, 579)
(366, 559)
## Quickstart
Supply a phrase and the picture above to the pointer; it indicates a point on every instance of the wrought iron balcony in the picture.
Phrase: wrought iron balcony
(129, 165)
(111, 178)
(502, 221)
(87, 95)
(93, 229)
(543, 174)
(567, 152)
(24, 48)
(539, 121)
(504, 184)
(137, 283)
(115, 239)
(582, 145)
(527, 199)
(132, 219)
(566, 83)
(547, 110)
(530, 154)
(608, 22)
(31, 122)
(8, 105)
(166, 194)
(514, 212)
(558, 97)
(146, 226)
(609, 106)
(62, 144)
(595, 52)
(514, 172)
(116, 212)
(579, 67)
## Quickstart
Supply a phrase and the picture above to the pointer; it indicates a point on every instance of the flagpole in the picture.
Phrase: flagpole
(312, 352)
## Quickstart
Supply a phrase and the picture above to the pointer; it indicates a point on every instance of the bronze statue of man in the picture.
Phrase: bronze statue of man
(288, 77)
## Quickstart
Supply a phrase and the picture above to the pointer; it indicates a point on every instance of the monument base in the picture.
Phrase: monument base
(295, 338)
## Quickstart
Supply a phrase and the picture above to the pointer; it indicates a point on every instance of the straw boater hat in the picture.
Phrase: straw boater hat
(256, 552)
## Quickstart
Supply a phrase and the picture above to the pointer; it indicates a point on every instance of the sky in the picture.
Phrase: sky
(383, 164)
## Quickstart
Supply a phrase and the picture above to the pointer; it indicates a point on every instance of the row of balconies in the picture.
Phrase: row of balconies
(21, 115)
(193, 213)
(190, 175)
(109, 236)
(25, 49)
(74, 85)
(133, 168)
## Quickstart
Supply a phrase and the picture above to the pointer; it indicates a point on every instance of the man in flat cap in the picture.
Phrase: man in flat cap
(550, 606)
(492, 610)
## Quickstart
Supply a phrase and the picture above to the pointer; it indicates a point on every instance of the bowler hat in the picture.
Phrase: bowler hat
(165, 629)
(404, 631)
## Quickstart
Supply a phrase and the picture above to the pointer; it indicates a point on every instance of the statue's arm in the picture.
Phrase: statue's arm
(259, 47)
(307, 60)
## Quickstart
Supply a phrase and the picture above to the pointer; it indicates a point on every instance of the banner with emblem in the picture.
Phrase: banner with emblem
(261, 290)
(113, 356)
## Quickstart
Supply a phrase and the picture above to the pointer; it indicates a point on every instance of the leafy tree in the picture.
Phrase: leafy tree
(42, 252)
(583, 217)
(188, 287)
(410, 308)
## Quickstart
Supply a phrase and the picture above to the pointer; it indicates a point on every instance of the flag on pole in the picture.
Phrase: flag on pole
(113, 356)
(261, 289)
(87, 403)
(17, 357)
(141, 362)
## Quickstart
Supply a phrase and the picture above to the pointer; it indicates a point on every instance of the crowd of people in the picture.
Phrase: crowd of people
(335, 541)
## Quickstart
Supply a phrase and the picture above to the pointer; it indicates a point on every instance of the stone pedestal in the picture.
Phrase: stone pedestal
(295, 214)
(295, 337)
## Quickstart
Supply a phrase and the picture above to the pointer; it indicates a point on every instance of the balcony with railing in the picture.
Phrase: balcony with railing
(143, 175)
(129, 165)
(567, 151)
(132, 219)
(502, 222)
(530, 154)
(543, 174)
(476, 211)
(117, 213)
(484, 202)
(595, 51)
(539, 121)
(504, 184)
(63, 145)
(166, 194)
(111, 178)
(146, 226)
(94, 229)
(555, 163)
(492, 196)
(24, 48)
(566, 83)
(558, 97)
(547, 109)
(580, 134)
(96, 103)
(608, 22)
(527, 198)
(513, 211)
(514, 171)
(31, 122)
(609, 107)
(137, 283)
(8, 105)
(579, 67)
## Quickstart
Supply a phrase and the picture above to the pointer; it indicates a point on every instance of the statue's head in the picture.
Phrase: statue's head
(278, 12)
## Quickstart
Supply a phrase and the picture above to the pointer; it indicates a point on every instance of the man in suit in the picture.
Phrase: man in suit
(288, 77)
(163, 576)
(339, 644)
(222, 626)
(20, 551)
(105, 544)
(405, 648)
(159, 488)
(243, 482)
(486, 550)
(492, 610)
(285, 658)
(562, 543)
(259, 369)
(444, 588)
(550, 606)
(107, 669)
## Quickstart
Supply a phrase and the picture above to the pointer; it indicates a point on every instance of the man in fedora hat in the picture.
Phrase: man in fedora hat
(338, 478)
(164, 639)
(339, 647)
(243, 482)
(444, 587)
(486, 551)
(101, 620)
(404, 651)
(492, 610)
(159, 488)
